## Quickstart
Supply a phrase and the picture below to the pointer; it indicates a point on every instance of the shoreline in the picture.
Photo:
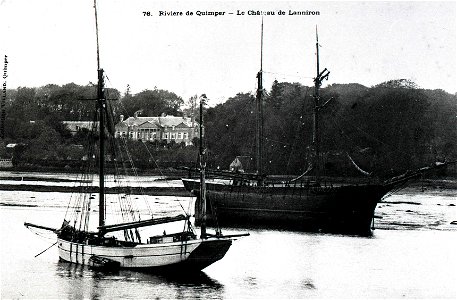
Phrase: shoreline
(446, 185)
(425, 184)
(153, 191)
(439, 183)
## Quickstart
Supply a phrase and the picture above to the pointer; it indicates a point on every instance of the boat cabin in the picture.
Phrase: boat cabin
(170, 238)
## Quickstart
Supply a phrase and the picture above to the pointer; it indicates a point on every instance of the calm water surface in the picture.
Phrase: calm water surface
(411, 255)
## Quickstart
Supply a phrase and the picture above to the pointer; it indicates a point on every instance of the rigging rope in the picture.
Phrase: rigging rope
(163, 176)
(310, 167)
(391, 149)
(79, 202)
(129, 207)
(46, 249)
(299, 126)
(36, 232)
(357, 167)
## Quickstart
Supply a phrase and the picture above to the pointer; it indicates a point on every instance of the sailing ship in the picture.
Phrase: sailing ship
(306, 203)
(105, 247)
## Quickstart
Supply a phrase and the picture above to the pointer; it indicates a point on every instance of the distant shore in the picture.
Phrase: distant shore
(159, 191)
(447, 186)
(167, 172)
(446, 183)
(436, 185)
(24, 177)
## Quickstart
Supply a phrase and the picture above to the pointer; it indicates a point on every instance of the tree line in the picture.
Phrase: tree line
(384, 129)
(34, 123)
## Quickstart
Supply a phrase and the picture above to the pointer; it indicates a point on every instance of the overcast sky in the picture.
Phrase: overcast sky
(52, 41)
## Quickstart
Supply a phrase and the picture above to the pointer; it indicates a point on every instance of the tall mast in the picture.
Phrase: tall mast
(316, 108)
(101, 102)
(101, 107)
(3, 101)
(96, 34)
(202, 171)
(320, 76)
(259, 108)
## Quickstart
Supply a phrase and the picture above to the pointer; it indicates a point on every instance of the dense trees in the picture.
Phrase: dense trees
(229, 130)
(393, 124)
(34, 117)
(151, 103)
(385, 129)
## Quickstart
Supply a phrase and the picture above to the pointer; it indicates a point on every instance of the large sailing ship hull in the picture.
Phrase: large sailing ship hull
(343, 209)
(193, 255)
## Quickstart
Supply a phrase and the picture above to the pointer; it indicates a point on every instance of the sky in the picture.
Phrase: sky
(51, 41)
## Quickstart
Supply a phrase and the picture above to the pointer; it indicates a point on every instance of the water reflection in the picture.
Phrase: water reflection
(95, 284)
(68, 270)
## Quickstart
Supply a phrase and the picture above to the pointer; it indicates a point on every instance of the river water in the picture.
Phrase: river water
(412, 254)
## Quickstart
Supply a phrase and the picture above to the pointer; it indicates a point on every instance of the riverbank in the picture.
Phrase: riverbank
(165, 184)
(158, 191)
(24, 183)
(169, 172)
(435, 185)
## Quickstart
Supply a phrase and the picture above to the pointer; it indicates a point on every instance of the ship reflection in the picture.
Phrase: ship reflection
(95, 284)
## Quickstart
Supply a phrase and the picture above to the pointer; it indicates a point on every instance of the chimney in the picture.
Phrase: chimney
(121, 118)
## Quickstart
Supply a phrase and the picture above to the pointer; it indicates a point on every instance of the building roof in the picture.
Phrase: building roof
(76, 125)
(148, 124)
(167, 121)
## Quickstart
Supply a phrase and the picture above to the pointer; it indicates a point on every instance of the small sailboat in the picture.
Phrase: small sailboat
(104, 246)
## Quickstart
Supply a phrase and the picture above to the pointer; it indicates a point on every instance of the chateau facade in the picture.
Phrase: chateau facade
(164, 128)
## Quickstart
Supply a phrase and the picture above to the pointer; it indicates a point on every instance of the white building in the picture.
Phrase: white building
(166, 128)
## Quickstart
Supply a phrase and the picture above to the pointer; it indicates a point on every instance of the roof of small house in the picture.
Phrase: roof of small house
(75, 125)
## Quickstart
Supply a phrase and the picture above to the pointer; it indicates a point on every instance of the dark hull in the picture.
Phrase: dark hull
(345, 209)
(205, 255)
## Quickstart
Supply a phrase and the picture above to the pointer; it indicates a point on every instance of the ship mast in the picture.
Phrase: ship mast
(202, 171)
(259, 116)
(101, 102)
(320, 76)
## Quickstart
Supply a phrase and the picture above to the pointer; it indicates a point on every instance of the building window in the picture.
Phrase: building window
(180, 136)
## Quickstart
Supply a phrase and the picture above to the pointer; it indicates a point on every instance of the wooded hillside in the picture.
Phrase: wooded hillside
(385, 129)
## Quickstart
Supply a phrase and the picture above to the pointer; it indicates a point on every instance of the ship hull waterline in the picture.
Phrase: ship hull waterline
(193, 255)
(343, 209)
